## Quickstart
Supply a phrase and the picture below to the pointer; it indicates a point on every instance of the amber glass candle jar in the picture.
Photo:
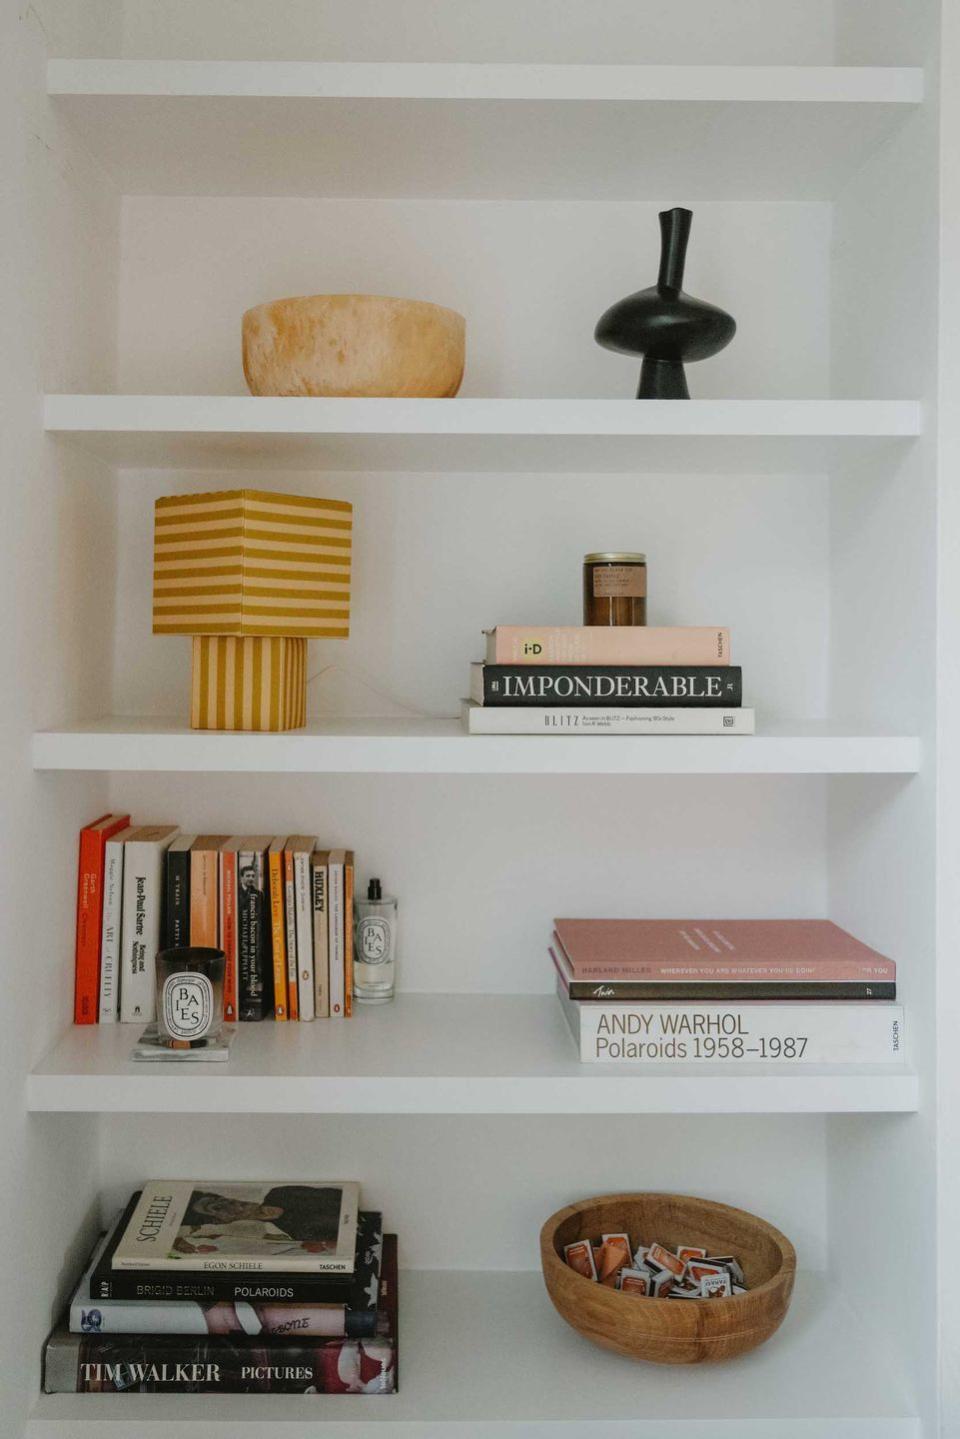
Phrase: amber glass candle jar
(614, 588)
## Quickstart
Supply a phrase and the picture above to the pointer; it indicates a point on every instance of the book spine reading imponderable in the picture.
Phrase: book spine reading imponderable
(752, 1033)
(679, 686)
(348, 873)
(176, 893)
(86, 994)
(336, 933)
(290, 906)
(489, 719)
(109, 999)
(607, 645)
(140, 930)
(229, 936)
(321, 957)
(278, 929)
(303, 899)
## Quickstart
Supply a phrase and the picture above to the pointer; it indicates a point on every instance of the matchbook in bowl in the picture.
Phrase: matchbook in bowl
(678, 1330)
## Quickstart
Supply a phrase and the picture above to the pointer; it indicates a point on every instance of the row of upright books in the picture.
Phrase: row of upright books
(732, 992)
(255, 1287)
(279, 907)
(591, 679)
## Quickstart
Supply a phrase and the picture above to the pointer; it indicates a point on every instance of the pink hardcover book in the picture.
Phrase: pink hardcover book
(717, 949)
(602, 645)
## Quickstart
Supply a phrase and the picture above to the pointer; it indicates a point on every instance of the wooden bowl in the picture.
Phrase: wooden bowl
(353, 345)
(671, 1331)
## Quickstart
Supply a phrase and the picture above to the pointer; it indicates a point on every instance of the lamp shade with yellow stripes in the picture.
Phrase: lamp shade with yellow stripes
(249, 565)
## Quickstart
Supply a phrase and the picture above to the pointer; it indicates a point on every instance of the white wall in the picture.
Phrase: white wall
(58, 236)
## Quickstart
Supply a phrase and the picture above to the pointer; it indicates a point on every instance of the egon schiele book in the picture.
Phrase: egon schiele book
(282, 1228)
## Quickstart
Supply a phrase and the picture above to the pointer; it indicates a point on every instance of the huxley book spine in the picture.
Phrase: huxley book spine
(557, 720)
(678, 686)
(736, 1034)
(319, 869)
(140, 933)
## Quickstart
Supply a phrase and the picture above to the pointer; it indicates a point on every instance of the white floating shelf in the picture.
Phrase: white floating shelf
(437, 1054)
(484, 1354)
(481, 130)
(227, 431)
(440, 746)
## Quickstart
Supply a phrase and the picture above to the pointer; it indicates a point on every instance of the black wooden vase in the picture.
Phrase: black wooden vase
(664, 325)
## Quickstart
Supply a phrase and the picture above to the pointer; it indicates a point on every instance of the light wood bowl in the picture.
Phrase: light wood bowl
(671, 1331)
(354, 346)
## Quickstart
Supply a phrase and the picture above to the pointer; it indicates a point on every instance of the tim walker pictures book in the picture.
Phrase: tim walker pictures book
(206, 1225)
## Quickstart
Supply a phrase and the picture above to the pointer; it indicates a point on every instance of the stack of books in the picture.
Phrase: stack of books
(745, 991)
(279, 907)
(628, 679)
(234, 1288)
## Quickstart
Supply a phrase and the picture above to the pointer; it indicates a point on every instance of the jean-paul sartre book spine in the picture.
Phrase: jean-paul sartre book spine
(602, 645)
(605, 719)
(732, 1034)
(661, 685)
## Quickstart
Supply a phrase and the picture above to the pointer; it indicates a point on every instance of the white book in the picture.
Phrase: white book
(303, 906)
(319, 865)
(109, 1000)
(531, 719)
(140, 931)
(753, 1032)
(336, 946)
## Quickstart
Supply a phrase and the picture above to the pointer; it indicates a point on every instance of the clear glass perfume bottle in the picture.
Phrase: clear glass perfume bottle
(374, 946)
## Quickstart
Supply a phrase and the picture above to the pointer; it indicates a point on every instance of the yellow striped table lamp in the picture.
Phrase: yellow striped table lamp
(251, 576)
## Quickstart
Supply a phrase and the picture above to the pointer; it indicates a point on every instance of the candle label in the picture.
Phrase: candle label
(186, 1005)
(614, 581)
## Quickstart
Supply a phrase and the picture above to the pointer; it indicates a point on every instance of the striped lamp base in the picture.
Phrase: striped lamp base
(251, 683)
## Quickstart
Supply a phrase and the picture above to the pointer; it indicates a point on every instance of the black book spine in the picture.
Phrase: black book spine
(586, 686)
(725, 991)
(176, 899)
(252, 909)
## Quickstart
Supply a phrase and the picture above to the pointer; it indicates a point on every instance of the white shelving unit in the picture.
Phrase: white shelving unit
(440, 1054)
(177, 166)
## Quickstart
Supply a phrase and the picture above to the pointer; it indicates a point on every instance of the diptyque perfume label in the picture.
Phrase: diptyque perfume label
(186, 1004)
(373, 940)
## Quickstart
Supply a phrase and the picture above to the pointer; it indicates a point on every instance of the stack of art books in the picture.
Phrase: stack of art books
(732, 992)
(591, 679)
(254, 1287)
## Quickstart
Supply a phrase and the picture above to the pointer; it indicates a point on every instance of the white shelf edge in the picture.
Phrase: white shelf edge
(244, 415)
(201, 1092)
(441, 747)
(290, 79)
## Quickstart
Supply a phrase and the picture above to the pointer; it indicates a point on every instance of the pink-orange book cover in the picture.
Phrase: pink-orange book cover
(715, 949)
(607, 645)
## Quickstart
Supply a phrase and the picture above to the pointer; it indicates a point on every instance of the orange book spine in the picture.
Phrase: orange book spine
(348, 934)
(293, 995)
(86, 990)
(228, 934)
(278, 930)
(203, 898)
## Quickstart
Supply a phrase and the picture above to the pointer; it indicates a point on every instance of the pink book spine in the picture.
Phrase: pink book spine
(843, 971)
(599, 645)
